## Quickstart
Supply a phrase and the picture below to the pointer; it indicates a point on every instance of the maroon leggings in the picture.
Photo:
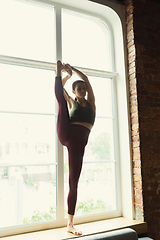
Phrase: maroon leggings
(75, 138)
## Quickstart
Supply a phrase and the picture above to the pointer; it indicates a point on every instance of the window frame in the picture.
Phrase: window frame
(60, 166)
(91, 72)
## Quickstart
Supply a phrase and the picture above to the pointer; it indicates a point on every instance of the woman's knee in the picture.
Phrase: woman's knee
(73, 186)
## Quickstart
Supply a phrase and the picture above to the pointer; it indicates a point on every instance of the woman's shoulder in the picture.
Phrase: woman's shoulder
(92, 104)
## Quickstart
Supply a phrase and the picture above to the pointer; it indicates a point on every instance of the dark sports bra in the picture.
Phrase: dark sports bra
(82, 114)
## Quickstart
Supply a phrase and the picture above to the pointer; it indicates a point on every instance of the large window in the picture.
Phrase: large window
(33, 164)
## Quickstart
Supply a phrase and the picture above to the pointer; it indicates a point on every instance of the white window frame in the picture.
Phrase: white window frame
(113, 16)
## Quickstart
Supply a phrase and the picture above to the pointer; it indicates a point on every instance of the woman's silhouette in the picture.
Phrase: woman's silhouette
(74, 123)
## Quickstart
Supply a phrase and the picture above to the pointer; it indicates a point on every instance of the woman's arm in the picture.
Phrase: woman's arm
(69, 74)
(90, 93)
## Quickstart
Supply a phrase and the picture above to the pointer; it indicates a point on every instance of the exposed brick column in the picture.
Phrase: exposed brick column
(136, 156)
(143, 34)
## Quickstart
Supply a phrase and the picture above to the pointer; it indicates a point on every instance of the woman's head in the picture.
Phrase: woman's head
(79, 88)
(75, 83)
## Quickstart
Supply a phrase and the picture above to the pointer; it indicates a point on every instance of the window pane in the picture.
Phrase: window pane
(102, 88)
(101, 141)
(27, 146)
(27, 30)
(27, 168)
(85, 41)
(28, 194)
(99, 163)
(27, 139)
(26, 89)
(96, 189)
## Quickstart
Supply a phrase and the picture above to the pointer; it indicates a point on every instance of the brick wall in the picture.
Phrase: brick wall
(143, 45)
(143, 38)
(134, 111)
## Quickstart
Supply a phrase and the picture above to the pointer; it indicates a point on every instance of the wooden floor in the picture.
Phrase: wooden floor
(87, 229)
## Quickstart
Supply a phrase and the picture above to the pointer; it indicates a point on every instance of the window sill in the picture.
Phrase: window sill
(87, 229)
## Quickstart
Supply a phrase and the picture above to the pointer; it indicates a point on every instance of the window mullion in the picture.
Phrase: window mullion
(27, 62)
(96, 72)
(60, 165)
(116, 145)
(58, 28)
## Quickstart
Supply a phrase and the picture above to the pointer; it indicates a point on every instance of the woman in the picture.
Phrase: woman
(73, 128)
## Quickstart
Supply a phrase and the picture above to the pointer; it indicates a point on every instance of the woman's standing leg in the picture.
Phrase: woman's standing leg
(75, 166)
(76, 147)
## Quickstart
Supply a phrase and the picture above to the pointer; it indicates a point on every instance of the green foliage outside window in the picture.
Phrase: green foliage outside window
(86, 207)
(101, 147)
(41, 216)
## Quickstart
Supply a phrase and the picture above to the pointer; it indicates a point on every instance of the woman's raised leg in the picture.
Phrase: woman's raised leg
(63, 120)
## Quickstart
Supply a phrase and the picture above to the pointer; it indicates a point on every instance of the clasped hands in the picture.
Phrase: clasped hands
(67, 68)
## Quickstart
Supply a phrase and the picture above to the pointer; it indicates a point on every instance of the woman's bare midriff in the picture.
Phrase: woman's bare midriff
(87, 125)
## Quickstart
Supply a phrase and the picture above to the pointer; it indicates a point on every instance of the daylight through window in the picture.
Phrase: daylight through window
(32, 161)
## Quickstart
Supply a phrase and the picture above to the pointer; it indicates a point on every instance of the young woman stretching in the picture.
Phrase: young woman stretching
(73, 128)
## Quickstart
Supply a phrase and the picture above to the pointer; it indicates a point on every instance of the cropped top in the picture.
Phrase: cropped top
(82, 114)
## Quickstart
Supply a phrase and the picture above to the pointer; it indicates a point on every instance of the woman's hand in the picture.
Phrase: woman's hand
(63, 67)
(67, 68)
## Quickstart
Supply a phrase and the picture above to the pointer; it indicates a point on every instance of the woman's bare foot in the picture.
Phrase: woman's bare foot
(70, 226)
(72, 229)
